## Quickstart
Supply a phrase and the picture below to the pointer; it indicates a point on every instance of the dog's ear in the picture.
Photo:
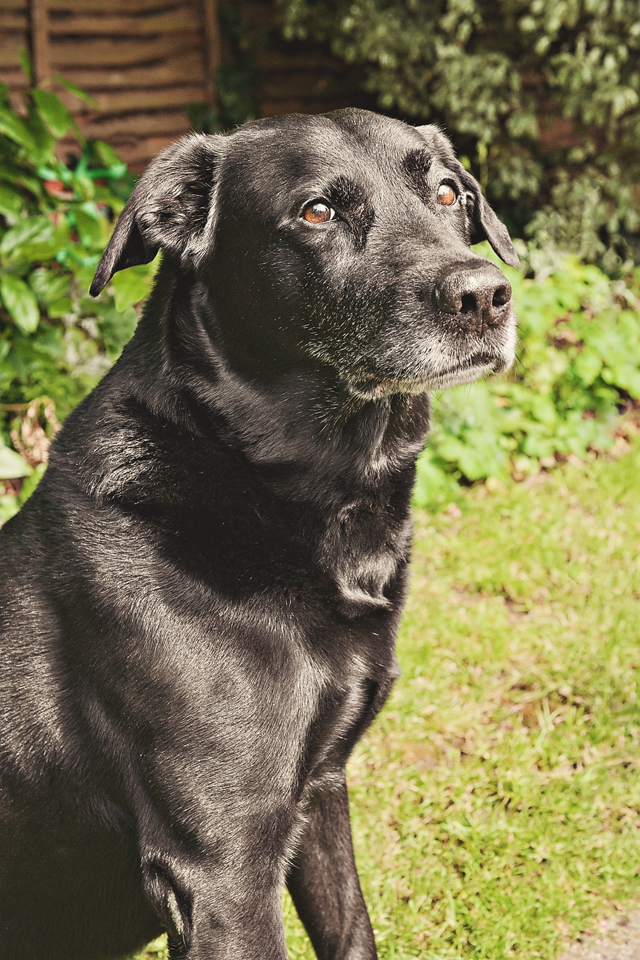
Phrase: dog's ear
(172, 206)
(485, 224)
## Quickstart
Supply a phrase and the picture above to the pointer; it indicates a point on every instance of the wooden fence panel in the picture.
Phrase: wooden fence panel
(14, 33)
(143, 61)
(298, 77)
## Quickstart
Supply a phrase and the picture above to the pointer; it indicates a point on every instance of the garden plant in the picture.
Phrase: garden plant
(56, 216)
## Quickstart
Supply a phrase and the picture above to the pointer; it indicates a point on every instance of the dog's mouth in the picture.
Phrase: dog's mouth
(376, 386)
(467, 371)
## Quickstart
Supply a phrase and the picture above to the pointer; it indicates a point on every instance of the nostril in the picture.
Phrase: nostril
(468, 303)
(502, 296)
(474, 294)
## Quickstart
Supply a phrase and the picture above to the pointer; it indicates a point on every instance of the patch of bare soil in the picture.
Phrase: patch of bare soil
(617, 938)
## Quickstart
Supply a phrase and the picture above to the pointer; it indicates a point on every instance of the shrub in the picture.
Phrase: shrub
(543, 96)
(55, 219)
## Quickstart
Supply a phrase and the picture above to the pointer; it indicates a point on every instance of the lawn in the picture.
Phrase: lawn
(496, 801)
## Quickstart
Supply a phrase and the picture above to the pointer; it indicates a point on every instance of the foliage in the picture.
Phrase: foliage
(496, 801)
(578, 367)
(543, 96)
(55, 219)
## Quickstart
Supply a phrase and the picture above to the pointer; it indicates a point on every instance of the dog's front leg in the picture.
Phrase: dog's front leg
(224, 914)
(323, 882)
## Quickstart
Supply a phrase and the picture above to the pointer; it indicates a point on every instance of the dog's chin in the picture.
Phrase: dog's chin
(468, 371)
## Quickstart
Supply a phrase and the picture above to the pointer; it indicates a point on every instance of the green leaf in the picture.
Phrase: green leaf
(35, 238)
(25, 63)
(53, 112)
(60, 308)
(587, 366)
(20, 302)
(128, 289)
(13, 127)
(76, 91)
(89, 224)
(9, 505)
(32, 482)
(30, 230)
(110, 159)
(11, 202)
(12, 466)
(433, 485)
(43, 140)
(116, 328)
(49, 286)
(15, 174)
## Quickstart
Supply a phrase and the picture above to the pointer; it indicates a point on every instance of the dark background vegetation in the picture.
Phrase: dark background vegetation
(541, 96)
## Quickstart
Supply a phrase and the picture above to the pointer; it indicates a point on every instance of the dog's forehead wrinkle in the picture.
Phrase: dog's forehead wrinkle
(290, 144)
(418, 162)
(358, 162)
(437, 141)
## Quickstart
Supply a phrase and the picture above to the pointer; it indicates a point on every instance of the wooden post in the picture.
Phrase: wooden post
(39, 17)
(211, 31)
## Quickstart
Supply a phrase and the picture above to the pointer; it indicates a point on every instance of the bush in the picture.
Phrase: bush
(55, 220)
(542, 96)
(577, 370)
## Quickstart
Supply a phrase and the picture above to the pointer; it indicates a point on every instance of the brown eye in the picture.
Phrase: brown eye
(318, 212)
(447, 196)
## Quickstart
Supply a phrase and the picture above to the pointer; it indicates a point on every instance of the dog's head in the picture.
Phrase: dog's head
(340, 242)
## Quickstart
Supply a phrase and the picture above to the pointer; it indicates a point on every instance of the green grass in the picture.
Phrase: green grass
(496, 801)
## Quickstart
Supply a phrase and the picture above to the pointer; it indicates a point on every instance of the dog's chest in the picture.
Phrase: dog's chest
(361, 550)
(348, 702)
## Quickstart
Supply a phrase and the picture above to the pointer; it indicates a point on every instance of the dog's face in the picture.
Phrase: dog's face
(351, 240)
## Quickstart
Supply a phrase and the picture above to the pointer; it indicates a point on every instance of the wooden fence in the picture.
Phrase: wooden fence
(143, 61)
(297, 77)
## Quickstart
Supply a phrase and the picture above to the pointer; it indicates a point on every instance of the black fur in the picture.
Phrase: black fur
(199, 602)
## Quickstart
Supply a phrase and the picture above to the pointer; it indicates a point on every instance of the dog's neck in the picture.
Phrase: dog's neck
(300, 417)
(349, 460)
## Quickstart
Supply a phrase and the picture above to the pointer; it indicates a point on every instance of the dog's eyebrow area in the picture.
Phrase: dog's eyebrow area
(416, 166)
(350, 198)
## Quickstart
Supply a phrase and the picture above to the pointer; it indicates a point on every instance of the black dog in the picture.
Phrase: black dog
(199, 602)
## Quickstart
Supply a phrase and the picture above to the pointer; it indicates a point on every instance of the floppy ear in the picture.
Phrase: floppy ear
(485, 225)
(172, 206)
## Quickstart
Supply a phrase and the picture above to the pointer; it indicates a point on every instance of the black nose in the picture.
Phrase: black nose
(476, 293)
